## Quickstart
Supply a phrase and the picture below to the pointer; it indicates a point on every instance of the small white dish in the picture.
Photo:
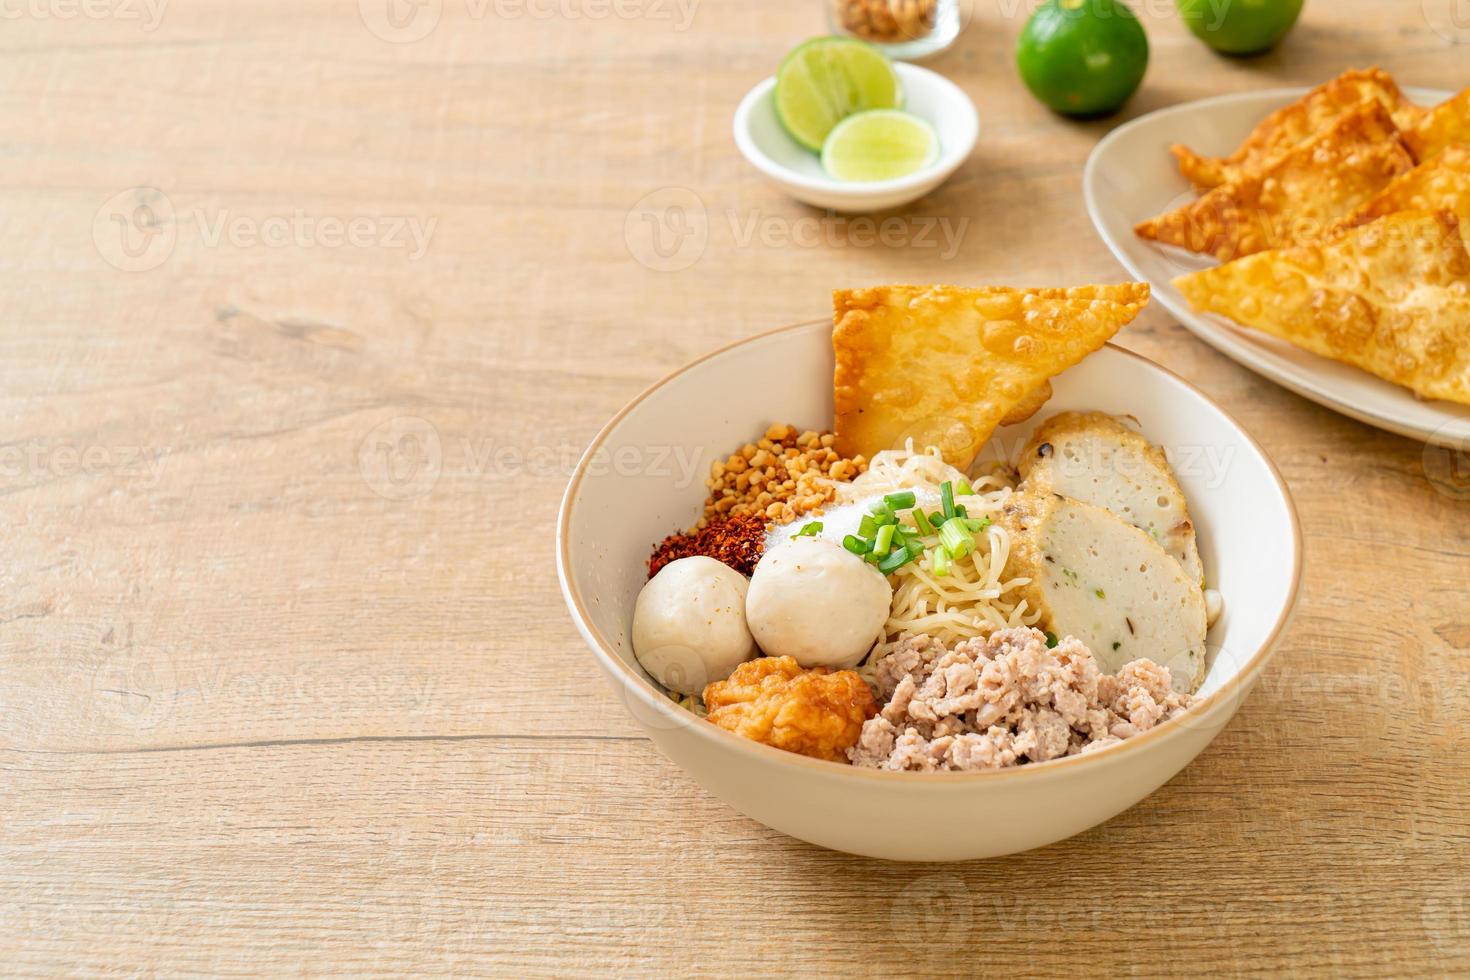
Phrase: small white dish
(1132, 176)
(643, 477)
(798, 171)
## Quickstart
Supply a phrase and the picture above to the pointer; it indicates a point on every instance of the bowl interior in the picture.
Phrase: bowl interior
(927, 95)
(644, 478)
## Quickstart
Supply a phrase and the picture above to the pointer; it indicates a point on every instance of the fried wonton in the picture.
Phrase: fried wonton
(1442, 184)
(944, 365)
(1029, 405)
(1295, 199)
(1286, 128)
(1441, 127)
(1391, 297)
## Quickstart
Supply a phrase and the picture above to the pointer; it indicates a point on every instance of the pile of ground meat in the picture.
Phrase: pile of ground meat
(1003, 701)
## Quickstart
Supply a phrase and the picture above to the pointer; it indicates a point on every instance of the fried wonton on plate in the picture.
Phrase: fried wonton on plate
(1286, 128)
(1440, 128)
(1442, 184)
(1391, 297)
(1296, 198)
(944, 365)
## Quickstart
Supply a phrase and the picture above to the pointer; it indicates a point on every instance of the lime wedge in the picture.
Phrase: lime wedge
(826, 80)
(879, 145)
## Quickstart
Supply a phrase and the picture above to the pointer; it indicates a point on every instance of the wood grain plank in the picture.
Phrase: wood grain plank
(267, 708)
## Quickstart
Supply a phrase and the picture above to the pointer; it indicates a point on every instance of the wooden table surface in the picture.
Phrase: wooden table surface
(310, 312)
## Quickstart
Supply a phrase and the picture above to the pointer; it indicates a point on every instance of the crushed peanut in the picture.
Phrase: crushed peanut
(781, 476)
(886, 21)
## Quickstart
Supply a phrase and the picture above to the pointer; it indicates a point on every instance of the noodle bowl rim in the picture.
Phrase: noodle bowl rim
(682, 718)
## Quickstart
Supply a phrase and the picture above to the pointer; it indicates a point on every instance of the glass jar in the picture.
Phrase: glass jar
(903, 29)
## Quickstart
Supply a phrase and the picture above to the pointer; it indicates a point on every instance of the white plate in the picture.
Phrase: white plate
(1132, 176)
(798, 171)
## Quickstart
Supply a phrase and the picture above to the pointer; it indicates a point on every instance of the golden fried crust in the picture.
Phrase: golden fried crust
(1391, 297)
(1286, 128)
(1440, 128)
(774, 701)
(1442, 184)
(1029, 405)
(944, 365)
(1297, 198)
(1022, 511)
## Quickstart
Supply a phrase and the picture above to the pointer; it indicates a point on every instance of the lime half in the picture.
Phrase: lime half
(828, 79)
(880, 144)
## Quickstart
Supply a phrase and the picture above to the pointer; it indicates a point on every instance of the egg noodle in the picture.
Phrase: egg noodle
(970, 600)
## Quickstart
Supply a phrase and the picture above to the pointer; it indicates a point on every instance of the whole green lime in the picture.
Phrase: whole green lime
(1240, 26)
(1082, 57)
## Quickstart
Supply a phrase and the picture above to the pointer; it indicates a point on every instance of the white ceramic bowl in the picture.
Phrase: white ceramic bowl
(642, 478)
(798, 171)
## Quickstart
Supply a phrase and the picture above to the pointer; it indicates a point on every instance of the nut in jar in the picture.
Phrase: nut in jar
(887, 21)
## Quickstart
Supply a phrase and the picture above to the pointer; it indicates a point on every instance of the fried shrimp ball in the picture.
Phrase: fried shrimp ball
(774, 701)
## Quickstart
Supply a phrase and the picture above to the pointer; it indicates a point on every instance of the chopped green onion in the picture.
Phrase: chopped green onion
(883, 541)
(985, 522)
(1051, 640)
(946, 499)
(894, 562)
(922, 523)
(936, 519)
(867, 527)
(810, 529)
(902, 500)
(916, 548)
(964, 489)
(974, 525)
(857, 545)
(885, 517)
(955, 538)
(959, 511)
(940, 562)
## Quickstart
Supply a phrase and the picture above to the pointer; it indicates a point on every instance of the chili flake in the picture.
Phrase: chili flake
(736, 541)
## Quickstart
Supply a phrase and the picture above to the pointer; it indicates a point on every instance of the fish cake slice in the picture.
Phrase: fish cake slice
(1297, 198)
(1297, 123)
(1391, 297)
(1096, 459)
(1094, 576)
